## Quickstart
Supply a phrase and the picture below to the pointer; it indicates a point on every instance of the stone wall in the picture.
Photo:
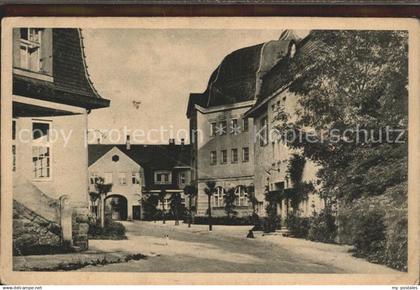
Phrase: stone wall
(80, 228)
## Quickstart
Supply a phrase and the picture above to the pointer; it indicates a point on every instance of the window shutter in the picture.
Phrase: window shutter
(46, 59)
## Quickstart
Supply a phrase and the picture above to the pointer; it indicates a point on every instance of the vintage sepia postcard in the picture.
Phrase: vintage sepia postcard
(210, 151)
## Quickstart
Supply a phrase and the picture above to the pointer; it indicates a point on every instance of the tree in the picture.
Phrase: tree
(209, 191)
(190, 191)
(102, 190)
(229, 199)
(176, 205)
(94, 197)
(149, 204)
(250, 189)
(353, 82)
(162, 197)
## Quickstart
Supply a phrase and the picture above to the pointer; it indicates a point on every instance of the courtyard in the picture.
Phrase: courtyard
(225, 249)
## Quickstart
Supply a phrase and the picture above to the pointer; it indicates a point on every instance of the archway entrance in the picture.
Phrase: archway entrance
(116, 206)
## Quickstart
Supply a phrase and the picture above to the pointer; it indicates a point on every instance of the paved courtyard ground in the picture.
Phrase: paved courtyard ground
(226, 249)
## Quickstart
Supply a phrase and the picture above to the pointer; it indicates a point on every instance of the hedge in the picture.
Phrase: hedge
(223, 220)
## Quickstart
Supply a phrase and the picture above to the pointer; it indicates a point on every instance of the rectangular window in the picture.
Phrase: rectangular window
(223, 128)
(108, 177)
(41, 153)
(30, 46)
(234, 127)
(122, 178)
(263, 131)
(163, 177)
(213, 157)
(135, 178)
(223, 157)
(234, 155)
(245, 124)
(245, 154)
(213, 129)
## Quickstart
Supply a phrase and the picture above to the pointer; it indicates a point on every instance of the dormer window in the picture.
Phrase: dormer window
(163, 177)
(30, 49)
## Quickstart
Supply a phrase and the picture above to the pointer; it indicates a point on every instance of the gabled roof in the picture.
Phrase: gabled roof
(71, 82)
(151, 156)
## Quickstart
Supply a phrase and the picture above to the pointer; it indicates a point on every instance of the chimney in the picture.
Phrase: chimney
(171, 141)
(127, 142)
(182, 141)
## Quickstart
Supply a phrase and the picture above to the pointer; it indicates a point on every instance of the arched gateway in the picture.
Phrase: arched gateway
(116, 205)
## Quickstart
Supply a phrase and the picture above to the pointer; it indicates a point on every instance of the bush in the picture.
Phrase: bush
(322, 227)
(377, 227)
(396, 240)
(298, 226)
(223, 220)
(369, 236)
(112, 230)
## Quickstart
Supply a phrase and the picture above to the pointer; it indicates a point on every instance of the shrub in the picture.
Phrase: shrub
(298, 226)
(223, 220)
(322, 227)
(111, 231)
(377, 227)
(369, 235)
(396, 240)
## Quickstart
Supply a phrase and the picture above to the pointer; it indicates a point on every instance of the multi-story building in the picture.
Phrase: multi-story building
(52, 97)
(275, 103)
(136, 170)
(221, 135)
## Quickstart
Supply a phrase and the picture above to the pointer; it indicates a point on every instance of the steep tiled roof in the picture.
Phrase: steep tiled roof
(71, 83)
(152, 156)
(69, 67)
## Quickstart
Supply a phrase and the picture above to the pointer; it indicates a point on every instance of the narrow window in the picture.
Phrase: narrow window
(245, 124)
(245, 154)
(41, 153)
(213, 158)
(223, 128)
(122, 178)
(234, 127)
(264, 131)
(213, 129)
(234, 155)
(135, 178)
(223, 156)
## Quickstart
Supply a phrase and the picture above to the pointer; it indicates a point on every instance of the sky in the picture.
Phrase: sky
(158, 68)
